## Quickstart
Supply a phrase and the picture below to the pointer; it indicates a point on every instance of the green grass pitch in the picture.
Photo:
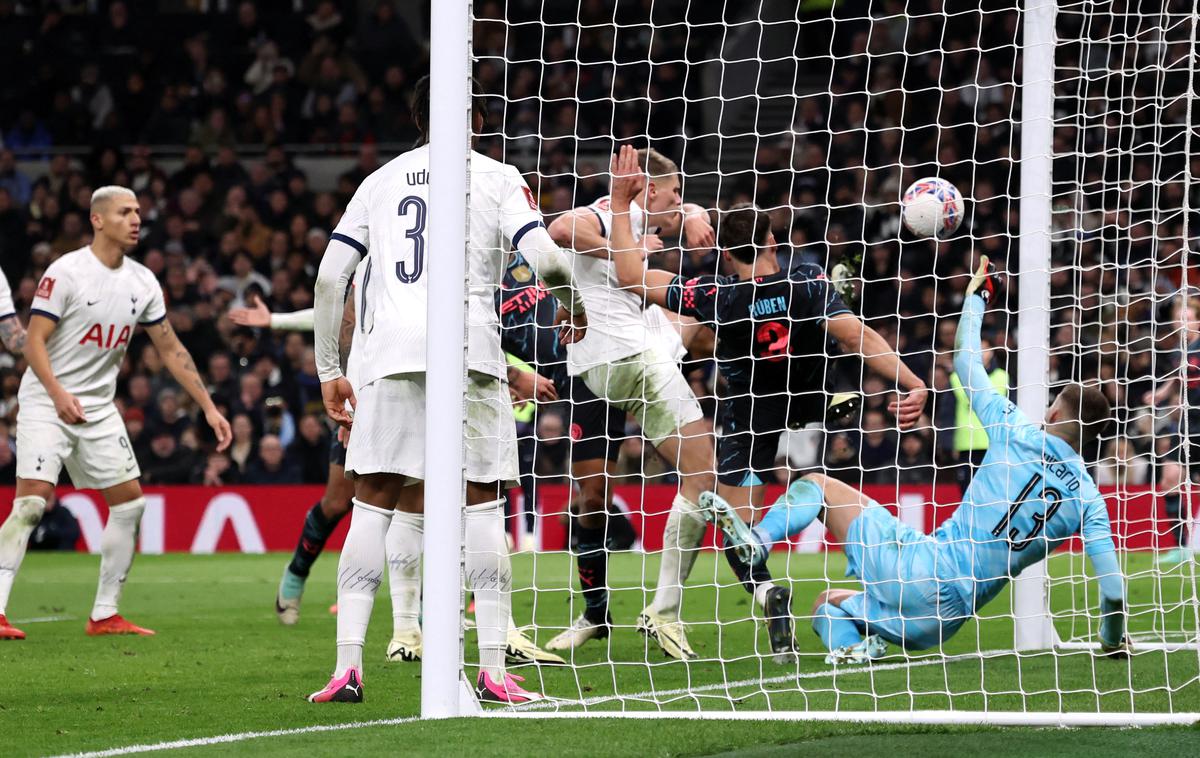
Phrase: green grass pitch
(221, 664)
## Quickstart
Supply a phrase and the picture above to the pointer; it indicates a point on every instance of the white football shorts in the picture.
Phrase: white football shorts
(649, 386)
(97, 453)
(388, 435)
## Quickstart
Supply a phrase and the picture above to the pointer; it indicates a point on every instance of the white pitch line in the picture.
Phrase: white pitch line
(224, 739)
(42, 619)
(542, 705)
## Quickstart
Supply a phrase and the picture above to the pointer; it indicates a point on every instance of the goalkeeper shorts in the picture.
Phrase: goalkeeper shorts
(902, 601)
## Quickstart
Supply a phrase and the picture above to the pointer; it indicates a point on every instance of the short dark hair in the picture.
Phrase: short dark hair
(1089, 407)
(420, 105)
(743, 230)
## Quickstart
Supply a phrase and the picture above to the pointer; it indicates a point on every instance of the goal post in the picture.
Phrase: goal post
(1033, 629)
(444, 692)
(821, 116)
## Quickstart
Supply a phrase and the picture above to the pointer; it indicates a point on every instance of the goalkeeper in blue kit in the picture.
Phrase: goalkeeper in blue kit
(1031, 493)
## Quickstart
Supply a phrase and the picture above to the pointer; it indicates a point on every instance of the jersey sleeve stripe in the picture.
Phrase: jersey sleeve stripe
(7, 315)
(46, 314)
(360, 247)
(516, 240)
(153, 321)
(603, 228)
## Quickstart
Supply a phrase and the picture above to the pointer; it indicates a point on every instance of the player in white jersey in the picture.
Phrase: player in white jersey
(84, 313)
(385, 221)
(403, 547)
(625, 361)
(12, 334)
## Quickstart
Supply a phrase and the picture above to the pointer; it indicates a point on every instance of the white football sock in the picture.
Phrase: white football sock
(404, 544)
(360, 572)
(489, 575)
(681, 544)
(117, 546)
(14, 536)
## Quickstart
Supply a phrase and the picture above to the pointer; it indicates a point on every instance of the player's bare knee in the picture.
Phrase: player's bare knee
(34, 488)
(593, 496)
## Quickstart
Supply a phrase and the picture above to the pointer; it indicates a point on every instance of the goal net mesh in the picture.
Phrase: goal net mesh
(821, 114)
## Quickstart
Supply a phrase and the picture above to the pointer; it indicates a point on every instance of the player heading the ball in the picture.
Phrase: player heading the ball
(85, 310)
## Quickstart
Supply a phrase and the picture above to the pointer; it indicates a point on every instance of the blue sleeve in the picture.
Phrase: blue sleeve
(695, 297)
(1098, 544)
(990, 406)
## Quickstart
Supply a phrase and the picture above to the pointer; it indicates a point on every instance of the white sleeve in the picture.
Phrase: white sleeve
(337, 266)
(6, 302)
(55, 293)
(352, 228)
(300, 321)
(156, 307)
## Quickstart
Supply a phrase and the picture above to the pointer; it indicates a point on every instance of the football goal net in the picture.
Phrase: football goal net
(1068, 127)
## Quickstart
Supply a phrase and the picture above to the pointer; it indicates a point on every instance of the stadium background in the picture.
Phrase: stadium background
(245, 127)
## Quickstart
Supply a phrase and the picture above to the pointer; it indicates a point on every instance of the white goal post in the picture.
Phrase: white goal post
(1046, 672)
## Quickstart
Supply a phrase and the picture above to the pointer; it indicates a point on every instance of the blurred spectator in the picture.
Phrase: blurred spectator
(17, 184)
(271, 466)
(310, 449)
(167, 462)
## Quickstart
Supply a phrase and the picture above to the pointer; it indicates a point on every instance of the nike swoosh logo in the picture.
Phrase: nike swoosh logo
(93, 302)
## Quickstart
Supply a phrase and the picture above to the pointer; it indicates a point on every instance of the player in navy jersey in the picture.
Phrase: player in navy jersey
(772, 328)
(1031, 493)
(528, 324)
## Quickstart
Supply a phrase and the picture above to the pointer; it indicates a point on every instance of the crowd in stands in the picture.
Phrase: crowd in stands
(909, 94)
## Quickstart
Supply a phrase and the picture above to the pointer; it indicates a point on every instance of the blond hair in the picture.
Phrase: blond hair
(109, 192)
(656, 165)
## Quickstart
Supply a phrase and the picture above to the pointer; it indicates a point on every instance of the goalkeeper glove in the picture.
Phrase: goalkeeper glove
(985, 281)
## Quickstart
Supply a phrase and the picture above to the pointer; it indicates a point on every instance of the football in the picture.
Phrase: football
(932, 207)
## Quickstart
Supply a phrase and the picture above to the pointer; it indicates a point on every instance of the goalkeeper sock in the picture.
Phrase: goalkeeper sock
(791, 513)
(592, 562)
(489, 575)
(1171, 505)
(14, 537)
(317, 528)
(681, 544)
(755, 578)
(117, 545)
(405, 538)
(360, 572)
(834, 627)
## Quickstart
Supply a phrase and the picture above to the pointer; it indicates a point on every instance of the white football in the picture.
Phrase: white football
(932, 207)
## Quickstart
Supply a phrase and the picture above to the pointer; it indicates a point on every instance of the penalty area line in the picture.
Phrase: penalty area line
(224, 739)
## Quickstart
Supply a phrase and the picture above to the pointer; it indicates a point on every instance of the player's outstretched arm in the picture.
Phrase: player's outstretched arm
(856, 337)
(179, 362)
(1101, 551)
(258, 315)
(968, 351)
(579, 230)
(12, 334)
(66, 405)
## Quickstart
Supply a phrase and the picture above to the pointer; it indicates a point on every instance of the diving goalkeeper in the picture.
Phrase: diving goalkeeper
(1031, 493)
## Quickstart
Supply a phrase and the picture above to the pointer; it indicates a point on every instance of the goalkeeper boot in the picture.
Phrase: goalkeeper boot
(842, 405)
(870, 649)
(346, 688)
(508, 691)
(8, 631)
(667, 632)
(717, 511)
(405, 647)
(580, 631)
(287, 598)
(841, 276)
(778, 609)
(114, 624)
(521, 649)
